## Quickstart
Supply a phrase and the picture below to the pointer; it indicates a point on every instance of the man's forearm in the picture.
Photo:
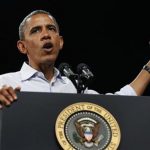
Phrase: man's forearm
(140, 83)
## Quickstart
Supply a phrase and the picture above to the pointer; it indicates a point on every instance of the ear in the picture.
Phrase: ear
(21, 47)
(61, 42)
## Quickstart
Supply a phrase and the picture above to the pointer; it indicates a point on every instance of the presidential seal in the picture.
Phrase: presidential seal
(87, 126)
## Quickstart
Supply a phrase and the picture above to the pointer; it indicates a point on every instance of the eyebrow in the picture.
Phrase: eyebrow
(48, 25)
(35, 27)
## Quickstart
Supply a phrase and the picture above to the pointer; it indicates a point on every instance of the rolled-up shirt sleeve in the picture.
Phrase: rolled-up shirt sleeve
(126, 90)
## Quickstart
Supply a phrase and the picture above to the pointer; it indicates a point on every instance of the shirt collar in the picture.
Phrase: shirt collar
(57, 75)
(28, 72)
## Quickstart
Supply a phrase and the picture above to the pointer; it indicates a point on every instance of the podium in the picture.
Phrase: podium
(29, 123)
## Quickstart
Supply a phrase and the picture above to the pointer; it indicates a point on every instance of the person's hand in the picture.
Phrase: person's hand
(8, 95)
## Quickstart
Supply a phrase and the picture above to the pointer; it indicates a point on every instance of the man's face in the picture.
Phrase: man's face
(42, 41)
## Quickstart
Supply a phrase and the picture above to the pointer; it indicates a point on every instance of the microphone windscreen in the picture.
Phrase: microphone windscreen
(81, 66)
(62, 66)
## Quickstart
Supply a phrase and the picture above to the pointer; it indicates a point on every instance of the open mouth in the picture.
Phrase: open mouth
(47, 47)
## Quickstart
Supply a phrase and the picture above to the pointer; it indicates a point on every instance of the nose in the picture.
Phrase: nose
(45, 34)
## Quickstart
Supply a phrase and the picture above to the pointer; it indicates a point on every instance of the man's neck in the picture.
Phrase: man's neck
(46, 69)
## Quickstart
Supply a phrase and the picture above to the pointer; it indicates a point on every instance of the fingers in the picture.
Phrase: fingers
(7, 95)
(17, 89)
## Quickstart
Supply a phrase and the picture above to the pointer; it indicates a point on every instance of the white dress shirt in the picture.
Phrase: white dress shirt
(32, 80)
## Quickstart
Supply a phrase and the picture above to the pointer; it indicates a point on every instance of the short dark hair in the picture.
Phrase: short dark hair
(23, 23)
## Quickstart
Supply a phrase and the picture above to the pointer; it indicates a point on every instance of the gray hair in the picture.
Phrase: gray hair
(23, 23)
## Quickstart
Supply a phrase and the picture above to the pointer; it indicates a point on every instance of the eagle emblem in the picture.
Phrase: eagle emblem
(88, 132)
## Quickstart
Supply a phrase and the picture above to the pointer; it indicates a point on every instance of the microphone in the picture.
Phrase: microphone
(65, 69)
(85, 72)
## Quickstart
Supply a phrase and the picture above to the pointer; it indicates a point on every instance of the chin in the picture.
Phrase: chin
(49, 61)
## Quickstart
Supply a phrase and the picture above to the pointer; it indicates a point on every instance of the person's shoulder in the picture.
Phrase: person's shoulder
(11, 79)
(10, 74)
